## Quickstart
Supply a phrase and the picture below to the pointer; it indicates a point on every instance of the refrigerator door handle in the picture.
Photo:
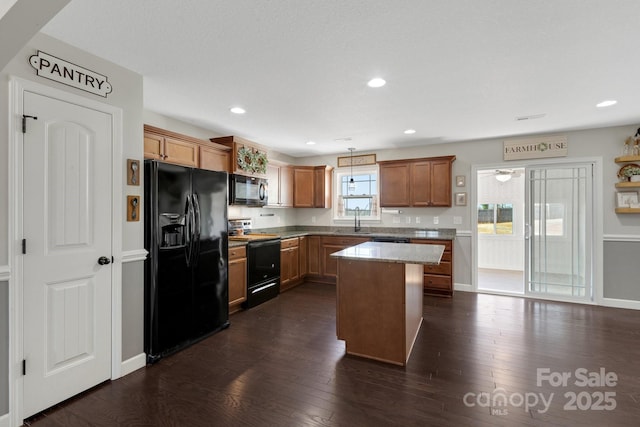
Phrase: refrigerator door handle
(196, 228)
(189, 230)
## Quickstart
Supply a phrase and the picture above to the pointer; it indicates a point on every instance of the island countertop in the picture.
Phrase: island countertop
(405, 253)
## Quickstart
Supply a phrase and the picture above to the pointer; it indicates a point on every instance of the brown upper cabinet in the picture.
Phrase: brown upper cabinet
(247, 158)
(280, 185)
(172, 147)
(422, 182)
(312, 186)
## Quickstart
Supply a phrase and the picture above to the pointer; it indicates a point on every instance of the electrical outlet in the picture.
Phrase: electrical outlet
(436, 220)
(457, 220)
(417, 220)
(408, 220)
(396, 220)
(313, 220)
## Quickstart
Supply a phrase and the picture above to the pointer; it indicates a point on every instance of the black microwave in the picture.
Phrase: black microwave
(247, 190)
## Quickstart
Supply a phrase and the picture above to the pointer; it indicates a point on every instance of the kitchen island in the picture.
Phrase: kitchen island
(379, 297)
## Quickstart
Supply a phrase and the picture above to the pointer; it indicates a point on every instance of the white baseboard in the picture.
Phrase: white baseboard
(463, 287)
(621, 303)
(133, 364)
(4, 420)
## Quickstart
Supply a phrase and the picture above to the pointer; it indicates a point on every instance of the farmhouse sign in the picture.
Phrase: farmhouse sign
(61, 71)
(535, 148)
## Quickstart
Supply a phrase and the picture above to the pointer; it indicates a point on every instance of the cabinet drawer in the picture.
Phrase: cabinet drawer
(437, 282)
(443, 268)
(289, 243)
(237, 252)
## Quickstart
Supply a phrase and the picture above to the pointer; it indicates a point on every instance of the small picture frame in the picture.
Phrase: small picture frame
(626, 198)
(461, 199)
(460, 181)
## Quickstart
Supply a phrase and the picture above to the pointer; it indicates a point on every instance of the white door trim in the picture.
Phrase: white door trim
(17, 87)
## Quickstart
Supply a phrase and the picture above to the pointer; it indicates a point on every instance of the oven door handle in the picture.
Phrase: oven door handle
(262, 288)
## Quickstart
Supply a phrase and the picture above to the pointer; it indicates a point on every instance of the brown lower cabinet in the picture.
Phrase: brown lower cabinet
(289, 263)
(237, 277)
(321, 267)
(438, 279)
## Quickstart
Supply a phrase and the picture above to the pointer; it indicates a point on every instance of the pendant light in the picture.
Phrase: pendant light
(352, 183)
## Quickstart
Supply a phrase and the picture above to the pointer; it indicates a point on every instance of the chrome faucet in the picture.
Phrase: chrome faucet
(356, 219)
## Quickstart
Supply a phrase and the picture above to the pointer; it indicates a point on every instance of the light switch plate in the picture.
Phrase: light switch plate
(417, 220)
(436, 220)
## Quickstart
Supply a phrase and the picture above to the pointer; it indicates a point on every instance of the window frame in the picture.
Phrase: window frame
(339, 173)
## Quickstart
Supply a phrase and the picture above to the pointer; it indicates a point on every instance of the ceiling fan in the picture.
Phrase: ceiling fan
(504, 175)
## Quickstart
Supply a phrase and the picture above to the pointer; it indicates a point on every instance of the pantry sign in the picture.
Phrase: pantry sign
(535, 148)
(61, 71)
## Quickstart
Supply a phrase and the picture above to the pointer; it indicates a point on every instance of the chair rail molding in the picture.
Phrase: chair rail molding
(621, 238)
(134, 255)
(5, 273)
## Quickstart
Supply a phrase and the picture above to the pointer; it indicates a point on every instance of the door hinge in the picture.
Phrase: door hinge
(24, 246)
(24, 122)
(24, 367)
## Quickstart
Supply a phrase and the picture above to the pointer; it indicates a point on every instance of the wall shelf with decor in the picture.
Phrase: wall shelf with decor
(626, 185)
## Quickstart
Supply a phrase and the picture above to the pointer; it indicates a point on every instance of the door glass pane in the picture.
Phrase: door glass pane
(560, 241)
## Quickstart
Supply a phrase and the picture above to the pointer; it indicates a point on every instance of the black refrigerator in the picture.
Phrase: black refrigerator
(186, 277)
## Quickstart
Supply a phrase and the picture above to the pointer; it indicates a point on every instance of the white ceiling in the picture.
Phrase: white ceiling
(455, 69)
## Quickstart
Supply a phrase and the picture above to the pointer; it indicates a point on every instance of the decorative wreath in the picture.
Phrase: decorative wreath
(250, 160)
(260, 162)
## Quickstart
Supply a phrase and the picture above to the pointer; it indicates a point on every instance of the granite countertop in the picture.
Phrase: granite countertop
(393, 252)
(367, 232)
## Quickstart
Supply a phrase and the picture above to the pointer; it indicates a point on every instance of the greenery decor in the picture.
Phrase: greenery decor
(630, 171)
(252, 160)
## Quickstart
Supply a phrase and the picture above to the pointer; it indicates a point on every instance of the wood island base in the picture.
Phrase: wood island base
(379, 308)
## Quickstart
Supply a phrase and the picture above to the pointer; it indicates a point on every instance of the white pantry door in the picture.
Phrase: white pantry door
(66, 214)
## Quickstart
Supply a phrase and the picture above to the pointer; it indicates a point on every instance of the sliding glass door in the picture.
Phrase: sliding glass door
(559, 231)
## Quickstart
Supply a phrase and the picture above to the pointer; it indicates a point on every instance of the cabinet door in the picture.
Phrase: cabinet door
(285, 267)
(313, 255)
(329, 264)
(394, 185)
(294, 257)
(441, 183)
(181, 152)
(286, 186)
(303, 256)
(303, 188)
(273, 185)
(153, 146)
(237, 281)
(214, 160)
(322, 187)
(421, 184)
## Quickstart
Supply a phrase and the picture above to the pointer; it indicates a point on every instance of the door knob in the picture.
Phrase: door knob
(103, 260)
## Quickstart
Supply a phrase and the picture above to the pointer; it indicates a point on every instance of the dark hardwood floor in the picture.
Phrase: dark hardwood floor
(279, 364)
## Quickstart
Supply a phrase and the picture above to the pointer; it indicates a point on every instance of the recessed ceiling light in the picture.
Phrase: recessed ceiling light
(410, 131)
(311, 143)
(238, 110)
(607, 103)
(377, 82)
